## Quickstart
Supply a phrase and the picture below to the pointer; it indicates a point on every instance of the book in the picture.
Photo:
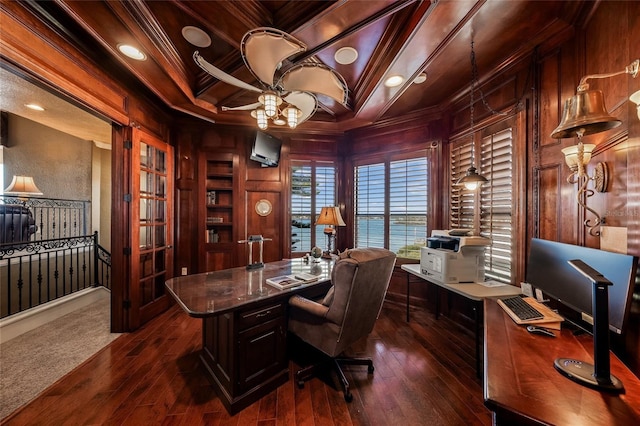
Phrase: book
(288, 281)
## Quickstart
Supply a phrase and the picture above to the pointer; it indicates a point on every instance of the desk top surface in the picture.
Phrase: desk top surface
(212, 293)
(473, 291)
(520, 378)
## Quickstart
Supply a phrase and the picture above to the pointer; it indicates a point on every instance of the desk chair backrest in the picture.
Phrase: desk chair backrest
(360, 280)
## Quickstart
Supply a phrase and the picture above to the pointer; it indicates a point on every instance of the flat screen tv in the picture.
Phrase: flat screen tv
(266, 149)
(548, 270)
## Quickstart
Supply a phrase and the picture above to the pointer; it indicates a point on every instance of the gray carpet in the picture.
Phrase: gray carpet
(33, 361)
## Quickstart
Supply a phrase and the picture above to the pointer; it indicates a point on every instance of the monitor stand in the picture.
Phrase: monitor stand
(597, 375)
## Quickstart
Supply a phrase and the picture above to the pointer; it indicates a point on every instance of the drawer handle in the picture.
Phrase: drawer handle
(263, 315)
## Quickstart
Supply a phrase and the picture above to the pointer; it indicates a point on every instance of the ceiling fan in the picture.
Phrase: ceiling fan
(288, 98)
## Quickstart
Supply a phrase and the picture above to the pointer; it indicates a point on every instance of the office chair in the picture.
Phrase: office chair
(360, 278)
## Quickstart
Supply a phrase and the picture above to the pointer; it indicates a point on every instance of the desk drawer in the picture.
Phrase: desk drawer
(260, 315)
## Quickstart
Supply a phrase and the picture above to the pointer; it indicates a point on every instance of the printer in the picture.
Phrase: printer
(451, 258)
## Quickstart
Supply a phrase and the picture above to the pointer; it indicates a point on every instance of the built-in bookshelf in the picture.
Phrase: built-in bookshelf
(218, 192)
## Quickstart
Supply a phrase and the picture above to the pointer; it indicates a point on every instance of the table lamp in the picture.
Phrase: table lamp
(330, 216)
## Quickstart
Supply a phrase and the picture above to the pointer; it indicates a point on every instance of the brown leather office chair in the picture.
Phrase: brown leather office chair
(359, 278)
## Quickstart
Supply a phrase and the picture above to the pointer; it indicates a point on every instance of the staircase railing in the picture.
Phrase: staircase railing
(45, 252)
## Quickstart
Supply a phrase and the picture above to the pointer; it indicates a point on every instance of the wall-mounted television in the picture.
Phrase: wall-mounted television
(266, 149)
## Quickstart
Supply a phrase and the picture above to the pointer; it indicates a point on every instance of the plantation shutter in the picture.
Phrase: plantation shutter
(496, 203)
(462, 199)
(370, 205)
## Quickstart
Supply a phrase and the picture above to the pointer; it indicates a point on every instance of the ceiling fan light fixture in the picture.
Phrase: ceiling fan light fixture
(292, 113)
(394, 81)
(261, 118)
(346, 55)
(271, 101)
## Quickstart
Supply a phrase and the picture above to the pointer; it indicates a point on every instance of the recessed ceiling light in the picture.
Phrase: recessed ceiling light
(394, 80)
(421, 78)
(196, 36)
(346, 55)
(132, 52)
(34, 107)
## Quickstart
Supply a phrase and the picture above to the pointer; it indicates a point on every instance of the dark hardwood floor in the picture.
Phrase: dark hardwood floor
(424, 375)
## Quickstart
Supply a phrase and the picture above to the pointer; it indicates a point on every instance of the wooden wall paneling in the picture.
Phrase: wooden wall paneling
(35, 47)
(269, 226)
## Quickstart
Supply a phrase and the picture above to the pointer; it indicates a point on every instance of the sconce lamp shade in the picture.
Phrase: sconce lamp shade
(584, 111)
(330, 216)
(22, 185)
(571, 155)
(472, 179)
(635, 98)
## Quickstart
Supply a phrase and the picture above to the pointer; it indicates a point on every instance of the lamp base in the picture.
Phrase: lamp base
(582, 373)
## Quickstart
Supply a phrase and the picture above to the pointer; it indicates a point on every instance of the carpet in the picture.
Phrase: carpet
(35, 360)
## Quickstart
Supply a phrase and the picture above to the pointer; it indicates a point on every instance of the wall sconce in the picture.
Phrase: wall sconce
(22, 186)
(330, 216)
(586, 114)
(577, 157)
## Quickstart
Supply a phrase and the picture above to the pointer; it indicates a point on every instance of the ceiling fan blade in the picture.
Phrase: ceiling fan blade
(305, 102)
(263, 50)
(242, 107)
(316, 78)
(221, 75)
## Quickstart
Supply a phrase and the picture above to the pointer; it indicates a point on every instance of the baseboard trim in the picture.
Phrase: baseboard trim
(18, 324)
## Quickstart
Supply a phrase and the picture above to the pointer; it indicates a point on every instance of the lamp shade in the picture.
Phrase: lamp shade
(472, 179)
(22, 185)
(330, 216)
(635, 98)
(571, 154)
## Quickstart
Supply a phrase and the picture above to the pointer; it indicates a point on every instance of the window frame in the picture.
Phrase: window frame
(386, 160)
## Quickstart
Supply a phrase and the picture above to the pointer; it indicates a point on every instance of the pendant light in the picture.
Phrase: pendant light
(471, 180)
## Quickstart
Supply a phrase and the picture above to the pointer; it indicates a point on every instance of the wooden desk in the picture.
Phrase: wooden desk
(244, 325)
(472, 291)
(521, 385)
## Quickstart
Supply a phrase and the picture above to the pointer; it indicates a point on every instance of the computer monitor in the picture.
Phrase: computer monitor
(548, 270)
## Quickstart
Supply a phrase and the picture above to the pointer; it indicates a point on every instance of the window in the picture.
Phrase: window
(313, 186)
(391, 205)
(491, 211)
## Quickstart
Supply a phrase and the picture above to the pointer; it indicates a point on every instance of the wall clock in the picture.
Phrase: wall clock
(263, 207)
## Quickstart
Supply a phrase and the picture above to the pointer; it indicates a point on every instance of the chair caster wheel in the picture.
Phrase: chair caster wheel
(370, 369)
(348, 397)
(300, 384)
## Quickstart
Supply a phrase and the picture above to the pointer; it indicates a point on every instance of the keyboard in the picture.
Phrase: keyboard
(521, 308)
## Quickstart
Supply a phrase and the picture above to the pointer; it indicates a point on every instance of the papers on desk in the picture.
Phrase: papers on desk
(492, 283)
(288, 281)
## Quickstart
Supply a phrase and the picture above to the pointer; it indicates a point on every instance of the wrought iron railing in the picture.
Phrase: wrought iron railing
(36, 272)
(45, 252)
(52, 217)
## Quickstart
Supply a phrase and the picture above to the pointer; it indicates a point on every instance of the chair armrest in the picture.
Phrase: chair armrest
(314, 308)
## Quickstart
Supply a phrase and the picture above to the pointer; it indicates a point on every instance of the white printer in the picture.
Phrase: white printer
(452, 258)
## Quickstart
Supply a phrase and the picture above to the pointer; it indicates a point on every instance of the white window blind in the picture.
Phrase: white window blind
(408, 207)
(313, 186)
(391, 202)
(462, 199)
(496, 203)
(370, 205)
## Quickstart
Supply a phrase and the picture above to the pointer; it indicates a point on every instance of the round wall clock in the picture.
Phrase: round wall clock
(263, 207)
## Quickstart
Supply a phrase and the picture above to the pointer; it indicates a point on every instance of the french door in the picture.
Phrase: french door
(143, 227)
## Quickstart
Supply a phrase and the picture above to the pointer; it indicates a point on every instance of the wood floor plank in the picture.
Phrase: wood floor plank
(424, 374)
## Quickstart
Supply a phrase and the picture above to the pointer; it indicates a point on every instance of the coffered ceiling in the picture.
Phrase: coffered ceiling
(403, 38)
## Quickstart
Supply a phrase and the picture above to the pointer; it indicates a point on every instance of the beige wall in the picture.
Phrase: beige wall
(62, 166)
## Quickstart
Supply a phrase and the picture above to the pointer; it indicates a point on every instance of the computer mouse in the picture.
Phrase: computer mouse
(540, 330)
